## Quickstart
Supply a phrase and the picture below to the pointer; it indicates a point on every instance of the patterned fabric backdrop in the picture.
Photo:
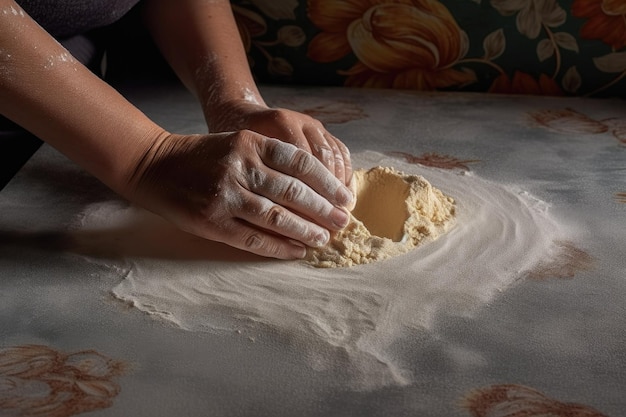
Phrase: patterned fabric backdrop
(545, 47)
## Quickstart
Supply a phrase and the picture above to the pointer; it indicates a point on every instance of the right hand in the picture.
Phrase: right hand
(243, 189)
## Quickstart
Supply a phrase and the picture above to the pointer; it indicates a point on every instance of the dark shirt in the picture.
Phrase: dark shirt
(66, 18)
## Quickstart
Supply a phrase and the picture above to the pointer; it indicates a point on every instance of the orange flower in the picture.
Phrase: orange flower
(523, 83)
(606, 20)
(398, 43)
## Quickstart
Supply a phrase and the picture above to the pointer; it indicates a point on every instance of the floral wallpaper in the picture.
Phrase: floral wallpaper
(542, 47)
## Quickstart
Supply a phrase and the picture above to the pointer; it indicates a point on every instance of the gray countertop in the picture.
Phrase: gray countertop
(542, 343)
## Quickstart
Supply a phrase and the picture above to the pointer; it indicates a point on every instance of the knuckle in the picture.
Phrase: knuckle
(276, 216)
(325, 153)
(293, 192)
(280, 115)
(256, 178)
(242, 141)
(343, 148)
(256, 243)
(303, 162)
(253, 241)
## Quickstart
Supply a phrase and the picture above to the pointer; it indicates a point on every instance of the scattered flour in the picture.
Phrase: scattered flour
(362, 313)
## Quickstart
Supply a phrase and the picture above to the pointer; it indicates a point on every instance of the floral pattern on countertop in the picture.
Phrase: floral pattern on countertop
(326, 111)
(544, 47)
(435, 160)
(512, 400)
(570, 121)
(39, 381)
(565, 263)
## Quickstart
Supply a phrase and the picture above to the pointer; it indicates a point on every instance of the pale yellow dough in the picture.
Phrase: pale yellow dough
(394, 213)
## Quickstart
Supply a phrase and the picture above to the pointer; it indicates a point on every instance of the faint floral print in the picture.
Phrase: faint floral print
(618, 128)
(38, 381)
(511, 400)
(435, 160)
(567, 261)
(566, 121)
(328, 112)
(569, 120)
(336, 113)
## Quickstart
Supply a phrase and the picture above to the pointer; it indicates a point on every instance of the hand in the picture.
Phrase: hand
(289, 126)
(244, 189)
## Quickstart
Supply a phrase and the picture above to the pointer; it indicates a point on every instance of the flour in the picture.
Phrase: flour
(62, 58)
(14, 11)
(394, 213)
(361, 313)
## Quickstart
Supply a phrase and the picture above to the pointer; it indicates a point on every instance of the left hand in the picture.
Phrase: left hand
(288, 126)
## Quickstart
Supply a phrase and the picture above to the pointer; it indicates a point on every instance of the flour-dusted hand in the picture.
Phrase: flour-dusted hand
(289, 126)
(244, 189)
(215, 68)
(273, 197)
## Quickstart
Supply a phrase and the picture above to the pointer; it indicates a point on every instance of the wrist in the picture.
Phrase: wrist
(145, 153)
(233, 114)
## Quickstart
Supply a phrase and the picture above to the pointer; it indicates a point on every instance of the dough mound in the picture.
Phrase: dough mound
(394, 213)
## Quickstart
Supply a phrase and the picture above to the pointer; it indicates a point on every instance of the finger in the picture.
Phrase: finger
(289, 192)
(344, 158)
(331, 152)
(339, 168)
(251, 239)
(263, 213)
(320, 147)
(290, 160)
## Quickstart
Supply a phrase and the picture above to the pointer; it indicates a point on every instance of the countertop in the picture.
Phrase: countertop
(552, 341)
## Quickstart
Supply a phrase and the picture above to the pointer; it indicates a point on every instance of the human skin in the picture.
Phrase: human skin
(201, 42)
(239, 187)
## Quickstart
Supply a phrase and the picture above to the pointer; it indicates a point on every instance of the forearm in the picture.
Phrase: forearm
(201, 41)
(46, 91)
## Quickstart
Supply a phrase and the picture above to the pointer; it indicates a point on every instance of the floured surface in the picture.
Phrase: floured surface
(555, 336)
(501, 233)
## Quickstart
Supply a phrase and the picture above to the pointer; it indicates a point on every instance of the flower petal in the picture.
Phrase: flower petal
(335, 16)
(328, 47)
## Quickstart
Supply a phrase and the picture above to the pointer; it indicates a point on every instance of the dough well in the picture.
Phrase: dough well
(394, 213)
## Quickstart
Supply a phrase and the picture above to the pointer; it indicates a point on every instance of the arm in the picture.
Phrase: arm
(240, 188)
(46, 91)
(201, 41)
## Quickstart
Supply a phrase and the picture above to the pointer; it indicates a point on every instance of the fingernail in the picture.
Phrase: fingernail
(340, 218)
(298, 249)
(321, 239)
(344, 196)
(297, 243)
